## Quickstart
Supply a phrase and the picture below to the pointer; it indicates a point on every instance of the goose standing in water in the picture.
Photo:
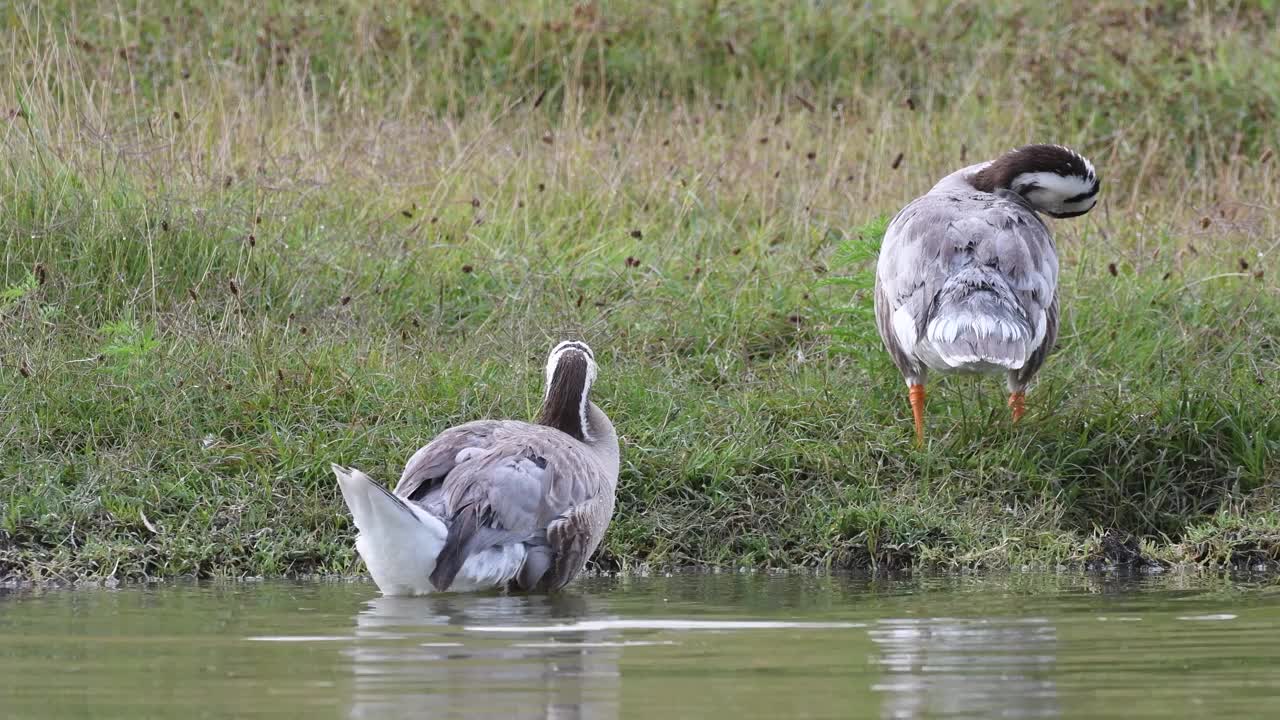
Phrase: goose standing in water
(967, 279)
(496, 503)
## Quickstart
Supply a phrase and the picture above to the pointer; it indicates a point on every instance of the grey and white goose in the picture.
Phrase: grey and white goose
(967, 279)
(496, 503)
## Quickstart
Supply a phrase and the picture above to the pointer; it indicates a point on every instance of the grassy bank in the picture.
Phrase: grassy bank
(242, 243)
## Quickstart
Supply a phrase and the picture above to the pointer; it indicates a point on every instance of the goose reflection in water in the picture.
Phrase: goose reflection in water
(987, 668)
(414, 657)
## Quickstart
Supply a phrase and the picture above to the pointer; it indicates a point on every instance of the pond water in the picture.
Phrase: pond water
(690, 645)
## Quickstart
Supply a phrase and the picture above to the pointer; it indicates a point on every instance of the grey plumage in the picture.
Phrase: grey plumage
(517, 482)
(497, 502)
(967, 281)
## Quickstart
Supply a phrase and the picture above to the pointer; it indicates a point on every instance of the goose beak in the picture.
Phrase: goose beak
(1062, 215)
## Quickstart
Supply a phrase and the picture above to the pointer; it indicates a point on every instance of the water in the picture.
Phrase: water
(736, 646)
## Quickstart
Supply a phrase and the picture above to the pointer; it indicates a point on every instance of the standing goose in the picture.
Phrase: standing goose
(967, 279)
(496, 503)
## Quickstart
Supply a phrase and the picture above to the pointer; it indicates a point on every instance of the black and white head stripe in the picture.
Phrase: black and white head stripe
(571, 370)
(576, 345)
(1054, 179)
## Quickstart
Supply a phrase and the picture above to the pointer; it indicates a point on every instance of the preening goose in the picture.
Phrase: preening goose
(496, 503)
(967, 279)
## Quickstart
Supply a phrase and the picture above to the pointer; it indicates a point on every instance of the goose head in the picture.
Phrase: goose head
(1055, 180)
(571, 369)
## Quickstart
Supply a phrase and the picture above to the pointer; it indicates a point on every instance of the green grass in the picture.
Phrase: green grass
(243, 242)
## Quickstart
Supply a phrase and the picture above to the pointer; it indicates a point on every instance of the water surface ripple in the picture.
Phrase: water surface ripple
(690, 645)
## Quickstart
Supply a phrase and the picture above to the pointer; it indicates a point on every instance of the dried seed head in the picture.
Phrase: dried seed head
(346, 300)
(234, 287)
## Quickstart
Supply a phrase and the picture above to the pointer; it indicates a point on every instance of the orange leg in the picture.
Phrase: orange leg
(1017, 402)
(917, 410)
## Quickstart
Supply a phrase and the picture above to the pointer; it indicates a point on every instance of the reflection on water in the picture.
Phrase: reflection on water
(737, 645)
(967, 668)
(569, 675)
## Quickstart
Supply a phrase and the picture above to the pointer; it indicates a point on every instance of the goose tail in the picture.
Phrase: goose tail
(978, 323)
(398, 540)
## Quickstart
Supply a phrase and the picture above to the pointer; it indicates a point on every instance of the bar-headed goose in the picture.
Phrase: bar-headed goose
(967, 279)
(496, 503)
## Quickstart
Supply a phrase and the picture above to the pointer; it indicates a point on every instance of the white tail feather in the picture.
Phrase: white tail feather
(978, 324)
(398, 541)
